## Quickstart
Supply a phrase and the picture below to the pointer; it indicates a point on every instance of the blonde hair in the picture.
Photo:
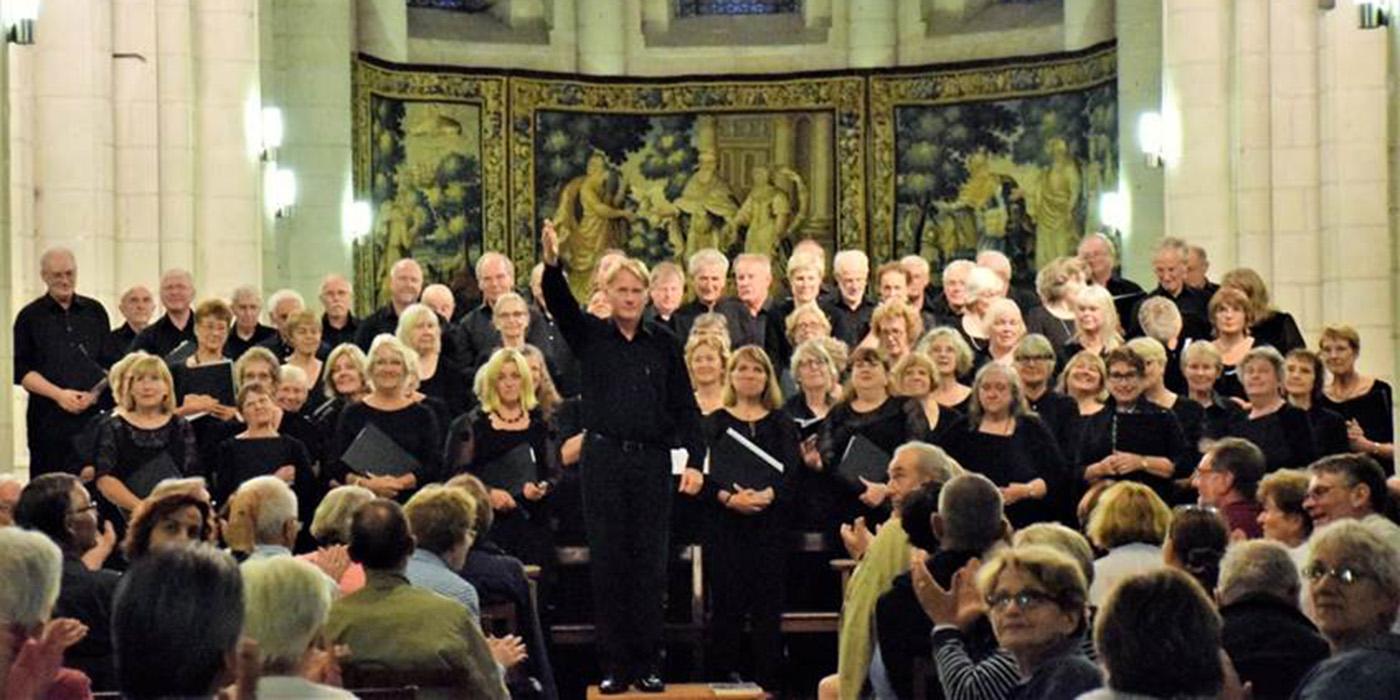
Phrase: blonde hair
(406, 354)
(1128, 512)
(409, 321)
(1082, 357)
(255, 354)
(144, 366)
(546, 392)
(440, 516)
(116, 376)
(632, 265)
(1044, 566)
(1052, 279)
(949, 335)
(331, 523)
(1149, 349)
(1194, 351)
(772, 398)
(1159, 318)
(910, 360)
(711, 324)
(485, 384)
(1248, 281)
(1344, 333)
(1102, 300)
(807, 310)
(706, 340)
(298, 319)
(328, 369)
(897, 308)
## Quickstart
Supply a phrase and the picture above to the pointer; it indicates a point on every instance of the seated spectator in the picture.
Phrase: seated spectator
(1282, 517)
(267, 507)
(1350, 486)
(392, 625)
(1270, 641)
(1354, 583)
(176, 619)
(1227, 479)
(58, 506)
(31, 566)
(1037, 598)
(285, 608)
(1158, 637)
(173, 521)
(1195, 543)
(1130, 524)
(331, 528)
(10, 488)
(440, 518)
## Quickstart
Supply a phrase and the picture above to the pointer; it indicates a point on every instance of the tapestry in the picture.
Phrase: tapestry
(661, 171)
(939, 161)
(1010, 158)
(430, 159)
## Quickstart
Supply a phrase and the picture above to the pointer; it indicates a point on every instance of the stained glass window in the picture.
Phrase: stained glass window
(702, 8)
(457, 5)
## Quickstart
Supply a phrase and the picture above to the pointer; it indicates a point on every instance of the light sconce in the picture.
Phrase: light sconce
(272, 130)
(359, 219)
(19, 18)
(1150, 138)
(1373, 15)
(1113, 210)
(280, 185)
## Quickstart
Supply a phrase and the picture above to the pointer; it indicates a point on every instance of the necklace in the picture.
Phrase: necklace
(518, 418)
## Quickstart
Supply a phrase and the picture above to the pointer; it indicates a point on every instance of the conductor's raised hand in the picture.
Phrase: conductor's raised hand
(549, 243)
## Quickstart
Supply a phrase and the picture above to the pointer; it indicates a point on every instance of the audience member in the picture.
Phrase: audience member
(1228, 479)
(1350, 486)
(1129, 524)
(1196, 541)
(34, 644)
(285, 608)
(1282, 517)
(171, 521)
(331, 529)
(441, 519)
(1269, 640)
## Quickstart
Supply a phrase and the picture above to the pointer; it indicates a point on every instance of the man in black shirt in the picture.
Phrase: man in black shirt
(751, 318)
(136, 307)
(637, 406)
(850, 314)
(1097, 252)
(1197, 266)
(476, 335)
(247, 331)
(564, 366)
(176, 327)
(338, 325)
(708, 270)
(61, 355)
(280, 306)
(1169, 264)
(405, 284)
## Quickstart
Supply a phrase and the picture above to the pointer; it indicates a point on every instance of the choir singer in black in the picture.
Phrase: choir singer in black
(637, 407)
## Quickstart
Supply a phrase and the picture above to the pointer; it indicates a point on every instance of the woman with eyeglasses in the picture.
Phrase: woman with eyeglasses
(1353, 580)
(1132, 439)
(211, 323)
(1037, 601)
(1282, 431)
(1035, 365)
(868, 410)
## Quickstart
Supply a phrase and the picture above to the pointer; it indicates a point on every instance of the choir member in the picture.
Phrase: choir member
(338, 323)
(247, 329)
(176, 327)
(1282, 431)
(953, 359)
(665, 294)
(346, 381)
(705, 358)
(1096, 326)
(747, 534)
(818, 376)
(915, 378)
(868, 409)
(545, 390)
(1101, 257)
(948, 307)
(1008, 444)
(1302, 382)
(211, 331)
(1035, 364)
(1085, 379)
(136, 307)
(1271, 326)
(1189, 414)
(439, 376)
(303, 330)
(412, 426)
(1202, 367)
(1231, 315)
(894, 326)
(1132, 439)
(807, 321)
(509, 417)
(851, 311)
(708, 270)
(1057, 284)
(145, 441)
(1363, 400)
(1161, 321)
(983, 286)
(259, 450)
(405, 284)
(1005, 328)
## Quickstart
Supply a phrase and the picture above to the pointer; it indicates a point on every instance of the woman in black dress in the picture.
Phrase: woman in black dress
(1057, 284)
(1008, 444)
(1361, 399)
(345, 380)
(211, 323)
(144, 442)
(1132, 439)
(868, 410)
(819, 389)
(260, 451)
(1085, 381)
(1282, 431)
(1096, 323)
(747, 532)
(439, 377)
(1189, 414)
(303, 330)
(1230, 316)
(1270, 326)
(505, 432)
(410, 425)
(1303, 378)
(952, 357)
(1035, 365)
(914, 378)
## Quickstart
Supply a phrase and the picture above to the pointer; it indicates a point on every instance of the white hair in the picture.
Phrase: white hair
(956, 266)
(276, 505)
(1258, 567)
(491, 256)
(31, 567)
(983, 282)
(996, 261)
(931, 461)
(285, 605)
(706, 257)
(910, 262)
(851, 258)
(293, 373)
(282, 295)
(246, 290)
(54, 252)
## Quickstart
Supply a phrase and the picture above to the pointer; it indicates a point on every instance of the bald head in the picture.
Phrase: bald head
(405, 282)
(440, 299)
(176, 291)
(10, 489)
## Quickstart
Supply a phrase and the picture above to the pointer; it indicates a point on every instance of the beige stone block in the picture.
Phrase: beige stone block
(64, 72)
(134, 27)
(223, 36)
(137, 217)
(65, 143)
(64, 215)
(138, 170)
(136, 123)
(1362, 204)
(1365, 301)
(1360, 116)
(1360, 162)
(1302, 115)
(137, 262)
(67, 25)
(1198, 215)
(1254, 253)
(176, 171)
(1296, 167)
(225, 172)
(227, 219)
(226, 82)
(176, 124)
(1361, 251)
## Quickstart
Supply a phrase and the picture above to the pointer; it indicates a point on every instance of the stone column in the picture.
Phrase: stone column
(602, 36)
(784, 141)
(1139, 27)
(873, 33)
(1196, 51)
(175, 91)
(821, 223)
(136, 115)
(7, 281)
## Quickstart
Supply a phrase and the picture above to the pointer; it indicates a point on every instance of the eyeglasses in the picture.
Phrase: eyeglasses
(1034, 358)
(79, 511)
(1024, 600)
(1344, 574)
(1121, 377)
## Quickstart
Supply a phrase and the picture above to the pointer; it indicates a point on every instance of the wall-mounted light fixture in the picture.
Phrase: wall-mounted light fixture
(1373, 14)
(19, 19)
(359, 219)
(280, 190)
(1113, 210)
(272, 130)
(1151, 138)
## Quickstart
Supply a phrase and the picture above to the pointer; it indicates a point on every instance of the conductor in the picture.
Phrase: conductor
(637, 407)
